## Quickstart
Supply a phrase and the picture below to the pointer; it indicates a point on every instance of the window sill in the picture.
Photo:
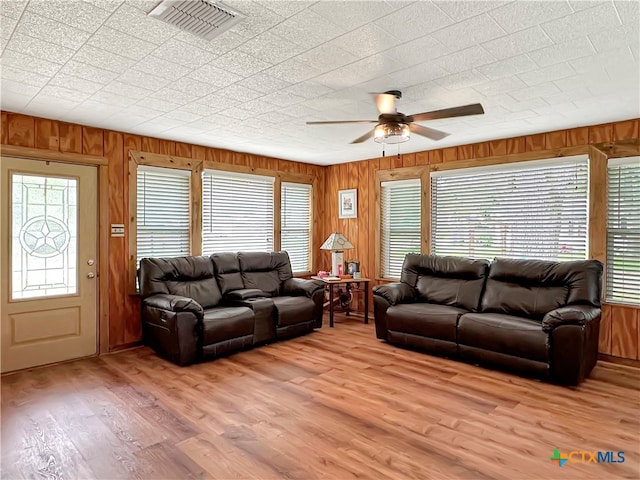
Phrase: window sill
(617, 303)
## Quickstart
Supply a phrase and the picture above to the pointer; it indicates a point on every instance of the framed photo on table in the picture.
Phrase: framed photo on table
(348, 203)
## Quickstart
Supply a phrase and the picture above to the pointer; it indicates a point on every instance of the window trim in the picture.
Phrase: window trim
(407, 173)
(197, 166)
(525, 168)
(311, 201)
(615, 162)
(134, 226)
(137, 158)
(424, 172)
(239, 176)
(599, 156)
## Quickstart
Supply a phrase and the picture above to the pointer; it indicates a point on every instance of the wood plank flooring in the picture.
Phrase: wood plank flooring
(335, 404)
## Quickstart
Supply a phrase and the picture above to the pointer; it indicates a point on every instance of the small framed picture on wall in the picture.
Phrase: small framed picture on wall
(348, 203)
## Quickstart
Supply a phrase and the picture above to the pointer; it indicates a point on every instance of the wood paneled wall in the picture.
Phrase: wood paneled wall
(32, 132)
(620, 332)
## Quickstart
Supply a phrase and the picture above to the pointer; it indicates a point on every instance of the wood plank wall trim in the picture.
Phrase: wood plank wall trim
(103, 259)
(163, 161)
(44, 154)
(132, 180)
(196, 209)
(512, 158)
(425, 181)
(597, 205)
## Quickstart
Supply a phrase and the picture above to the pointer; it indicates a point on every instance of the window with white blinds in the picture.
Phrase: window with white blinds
(623, 230)
(530, 210)
(163, 214)
(295, 224)
(237, 212)
(400, 224)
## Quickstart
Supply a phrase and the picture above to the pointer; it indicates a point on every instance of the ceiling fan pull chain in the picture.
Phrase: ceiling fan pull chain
(398, 151)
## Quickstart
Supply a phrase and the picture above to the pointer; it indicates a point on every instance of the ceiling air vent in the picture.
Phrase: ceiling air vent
(204, 18)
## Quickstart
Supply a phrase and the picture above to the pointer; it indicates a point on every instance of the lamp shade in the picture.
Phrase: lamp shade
(336, 241)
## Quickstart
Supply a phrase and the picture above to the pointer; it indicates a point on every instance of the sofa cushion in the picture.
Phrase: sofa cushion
(267, 282)
(527, 288)
(292, 310)
(426, 319)
(225, 323)
(265, 262)
(506, 334)
(191, 277)
(227, 271)
(265, 271)
(452, 281)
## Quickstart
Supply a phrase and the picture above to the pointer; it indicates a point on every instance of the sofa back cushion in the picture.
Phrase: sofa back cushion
(453, 281)
(185, 276)
(227, 270)
(265, 271)
(533, 288)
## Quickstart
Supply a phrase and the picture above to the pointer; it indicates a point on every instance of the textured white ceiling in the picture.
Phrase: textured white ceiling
(535, 66)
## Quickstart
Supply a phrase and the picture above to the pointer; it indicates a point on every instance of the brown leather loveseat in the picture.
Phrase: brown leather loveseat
(194, 308)
(531, 317)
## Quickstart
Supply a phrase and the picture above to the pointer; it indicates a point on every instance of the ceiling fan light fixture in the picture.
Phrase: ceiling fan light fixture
(391, 133)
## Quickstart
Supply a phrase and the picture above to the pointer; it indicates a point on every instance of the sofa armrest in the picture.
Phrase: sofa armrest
(174, 303)
(245, 294)
(301, 286)
(569, 315)
(172, 325)
(395, 293)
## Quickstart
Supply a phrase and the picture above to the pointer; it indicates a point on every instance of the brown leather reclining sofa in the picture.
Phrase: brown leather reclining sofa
(194, 308)
(530, 317)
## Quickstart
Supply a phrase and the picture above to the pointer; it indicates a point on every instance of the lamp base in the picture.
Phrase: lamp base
(337, 263)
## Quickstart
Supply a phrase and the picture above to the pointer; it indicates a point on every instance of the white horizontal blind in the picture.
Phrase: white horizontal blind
(530, 210)
(400, 232)
(295, 224)
(237, 212)
(163, 212)
(623, 230)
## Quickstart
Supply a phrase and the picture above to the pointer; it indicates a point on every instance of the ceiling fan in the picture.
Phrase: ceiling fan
(395, 127)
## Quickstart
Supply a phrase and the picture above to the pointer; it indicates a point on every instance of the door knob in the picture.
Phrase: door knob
(90, 262)
(91, 275)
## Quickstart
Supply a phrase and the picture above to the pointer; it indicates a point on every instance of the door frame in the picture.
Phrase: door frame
(102, 164)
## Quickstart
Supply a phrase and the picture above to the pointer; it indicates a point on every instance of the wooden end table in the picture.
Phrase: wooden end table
(363, 283)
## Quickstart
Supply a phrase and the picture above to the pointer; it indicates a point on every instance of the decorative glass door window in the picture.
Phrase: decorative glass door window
(44, 234)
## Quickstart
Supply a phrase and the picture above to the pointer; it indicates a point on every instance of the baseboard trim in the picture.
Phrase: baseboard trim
(619, 360)
(124, 346)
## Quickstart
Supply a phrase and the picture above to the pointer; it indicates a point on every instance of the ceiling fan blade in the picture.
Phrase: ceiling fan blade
(431, 133)
(342, 121)
(364, 137)
(472, 109)
(386, 102)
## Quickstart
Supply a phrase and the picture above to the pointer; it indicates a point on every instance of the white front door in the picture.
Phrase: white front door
(48, 262)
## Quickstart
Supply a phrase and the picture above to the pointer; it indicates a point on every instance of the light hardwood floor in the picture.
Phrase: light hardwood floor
(334, 404)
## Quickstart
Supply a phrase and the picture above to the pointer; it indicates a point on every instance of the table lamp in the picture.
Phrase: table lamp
(337, 243)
